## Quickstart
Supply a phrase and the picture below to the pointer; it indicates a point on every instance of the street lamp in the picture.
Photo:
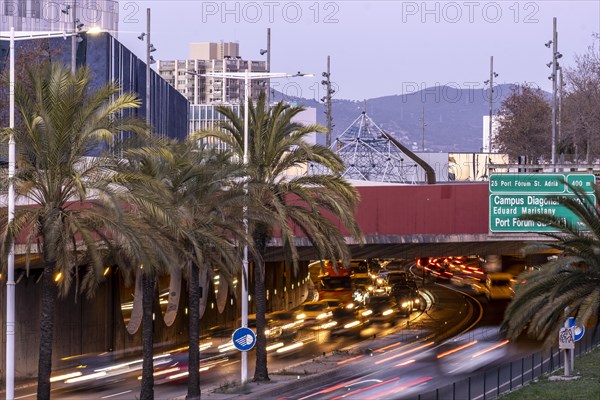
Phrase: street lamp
(149, 60)
(247, 77)
(10, 279)
(327, 99)
(77, 26)
(555, 67)
(491, 82)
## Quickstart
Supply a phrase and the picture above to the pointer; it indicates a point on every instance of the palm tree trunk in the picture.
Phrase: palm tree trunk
(261, 372)
(148, 283)
(194, 334)
(49, 294)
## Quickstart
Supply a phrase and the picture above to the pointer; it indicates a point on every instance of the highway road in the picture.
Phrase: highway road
(413, 356)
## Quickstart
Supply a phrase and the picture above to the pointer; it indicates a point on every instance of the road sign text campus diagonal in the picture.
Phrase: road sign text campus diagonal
(513, 196)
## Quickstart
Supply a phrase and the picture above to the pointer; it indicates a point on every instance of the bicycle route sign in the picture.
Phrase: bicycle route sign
(512, 196)
(243, 339)
(578, 330)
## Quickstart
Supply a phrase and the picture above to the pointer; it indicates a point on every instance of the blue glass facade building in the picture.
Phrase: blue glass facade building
(109, 60)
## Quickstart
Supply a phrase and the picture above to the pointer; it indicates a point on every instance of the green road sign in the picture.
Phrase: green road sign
(505, 210)
(516, 195)
(584, 181)
(539, 183)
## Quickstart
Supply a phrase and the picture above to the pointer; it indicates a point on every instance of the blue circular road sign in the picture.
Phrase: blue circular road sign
(243, 339)
(578, 330)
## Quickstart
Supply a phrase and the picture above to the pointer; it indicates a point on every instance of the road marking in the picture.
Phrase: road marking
(116, 394)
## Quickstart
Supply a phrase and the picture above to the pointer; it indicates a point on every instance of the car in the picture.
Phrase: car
(313, 313)
(406, 296)
(331, 303)
(381, 309)
(495, 286)
(395, 277)
(347, 322)
(360, 271)
(287, 322)
(363, 288)
(499, 286)
(272, 331)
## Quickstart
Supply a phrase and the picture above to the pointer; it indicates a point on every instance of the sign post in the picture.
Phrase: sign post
(578, 332)
(568, 335)
(566, 344)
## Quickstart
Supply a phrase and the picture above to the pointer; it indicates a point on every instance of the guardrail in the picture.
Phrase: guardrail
(490, 384)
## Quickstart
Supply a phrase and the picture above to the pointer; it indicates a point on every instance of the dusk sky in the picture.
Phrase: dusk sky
(377, 48)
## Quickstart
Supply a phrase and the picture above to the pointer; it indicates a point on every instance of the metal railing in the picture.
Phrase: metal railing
(490, 384)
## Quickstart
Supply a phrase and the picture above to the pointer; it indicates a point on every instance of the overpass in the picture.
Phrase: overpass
(409, 221)
(398, 221)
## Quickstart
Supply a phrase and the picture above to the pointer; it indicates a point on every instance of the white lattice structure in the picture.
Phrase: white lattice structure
(370, 156)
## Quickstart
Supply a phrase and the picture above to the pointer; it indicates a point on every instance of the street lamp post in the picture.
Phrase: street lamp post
(555, 57)
(149, 61)
(74, 39)
(247, 77)
(327, 99)
(74, 34)
(423, 125)
(491, 82)
(10, 278)
(553, 77)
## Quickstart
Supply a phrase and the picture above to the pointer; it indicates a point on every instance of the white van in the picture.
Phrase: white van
(497, 286)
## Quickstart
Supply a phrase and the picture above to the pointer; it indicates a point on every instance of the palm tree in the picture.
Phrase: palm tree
(203, 188)
(568, 285)
(76, 213)
(210, 202)
(140, 174)
(309, 203)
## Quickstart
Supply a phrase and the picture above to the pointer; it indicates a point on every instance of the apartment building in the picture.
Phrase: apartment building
(212, 58)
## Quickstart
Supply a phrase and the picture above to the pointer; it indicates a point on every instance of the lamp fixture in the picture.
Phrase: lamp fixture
(548, 43)
(263, 52)
(142, 35)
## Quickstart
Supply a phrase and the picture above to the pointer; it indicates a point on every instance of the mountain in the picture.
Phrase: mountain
(453, 117)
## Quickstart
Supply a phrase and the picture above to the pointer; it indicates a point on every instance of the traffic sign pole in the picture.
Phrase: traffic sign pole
(578, 332)
(567, 362)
